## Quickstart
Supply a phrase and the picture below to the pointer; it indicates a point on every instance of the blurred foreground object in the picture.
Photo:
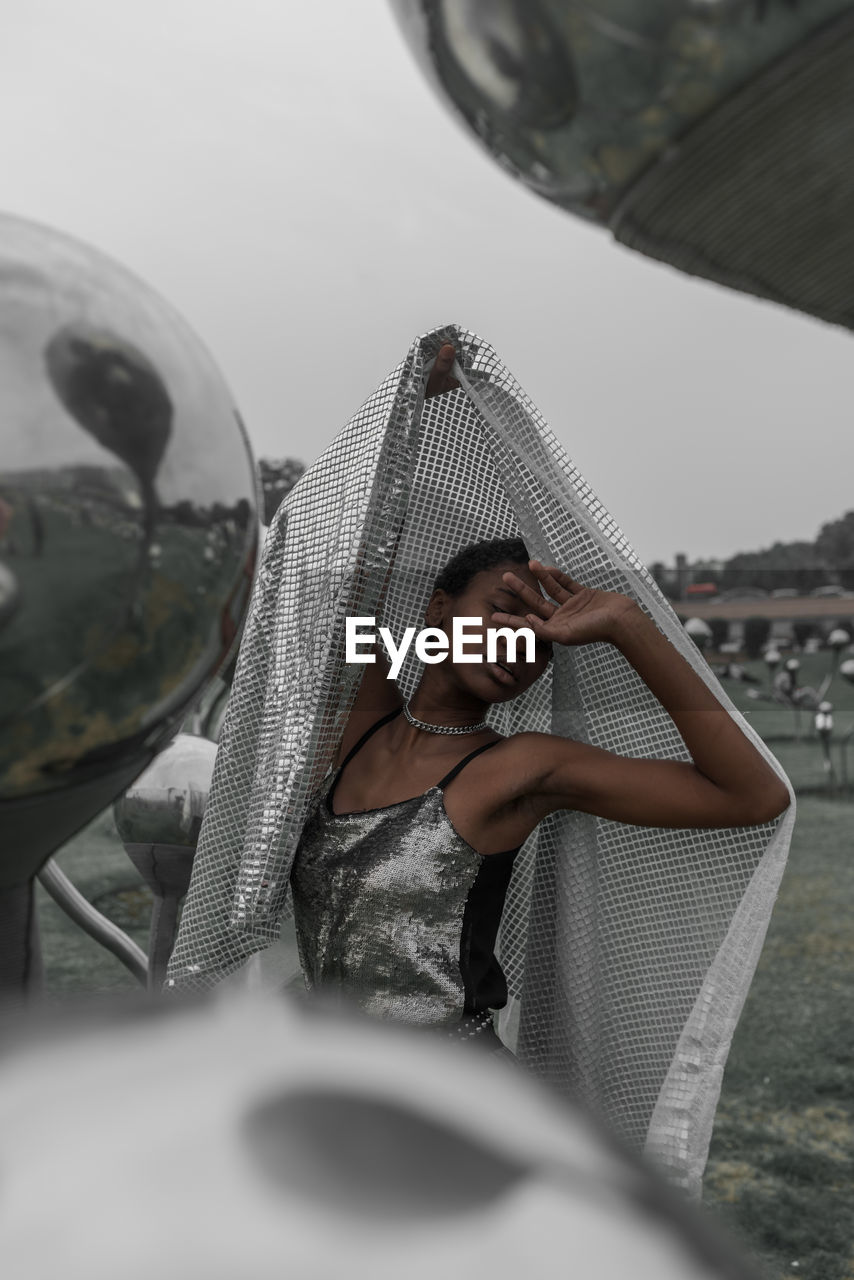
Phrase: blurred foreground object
(715, 136)
(330, 1148)
(158, 819)
(128, 532)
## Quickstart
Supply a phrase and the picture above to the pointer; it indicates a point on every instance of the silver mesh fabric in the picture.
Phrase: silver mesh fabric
(628, 950)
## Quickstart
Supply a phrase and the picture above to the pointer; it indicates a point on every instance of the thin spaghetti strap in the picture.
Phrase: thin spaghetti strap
(366, 735)
(462, 764)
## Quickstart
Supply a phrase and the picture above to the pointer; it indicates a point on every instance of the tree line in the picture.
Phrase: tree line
(276, 477)
(801, 566)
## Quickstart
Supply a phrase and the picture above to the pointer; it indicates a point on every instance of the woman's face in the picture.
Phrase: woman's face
(486, 594)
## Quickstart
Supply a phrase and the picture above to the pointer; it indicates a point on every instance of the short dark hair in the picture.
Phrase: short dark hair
(471, 560)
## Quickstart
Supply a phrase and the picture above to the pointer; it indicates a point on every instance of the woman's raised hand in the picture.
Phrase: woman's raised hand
(581, 615)
(440, 379)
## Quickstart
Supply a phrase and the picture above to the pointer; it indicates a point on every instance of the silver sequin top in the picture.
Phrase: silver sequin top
(396, 911)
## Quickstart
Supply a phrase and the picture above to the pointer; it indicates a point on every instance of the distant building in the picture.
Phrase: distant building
(681, 574)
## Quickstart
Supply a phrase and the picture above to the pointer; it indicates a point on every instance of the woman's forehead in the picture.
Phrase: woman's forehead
(494, 577)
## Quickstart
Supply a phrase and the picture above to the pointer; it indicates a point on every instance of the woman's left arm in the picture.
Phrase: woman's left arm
(729, 782)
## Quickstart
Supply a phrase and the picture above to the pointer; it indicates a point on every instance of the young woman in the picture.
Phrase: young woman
(400, 875)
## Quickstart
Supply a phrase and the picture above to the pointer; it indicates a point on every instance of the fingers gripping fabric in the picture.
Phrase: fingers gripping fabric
(628, 950)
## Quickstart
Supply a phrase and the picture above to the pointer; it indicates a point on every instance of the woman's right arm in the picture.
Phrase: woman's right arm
(728, 783)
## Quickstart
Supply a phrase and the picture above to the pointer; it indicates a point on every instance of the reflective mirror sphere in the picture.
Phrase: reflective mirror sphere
(508, 61)
(712, 134)
(128, 520)
(166, 803)
(158, 820)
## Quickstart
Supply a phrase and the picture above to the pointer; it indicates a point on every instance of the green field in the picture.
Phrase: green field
(98, 866)
(781, 1168)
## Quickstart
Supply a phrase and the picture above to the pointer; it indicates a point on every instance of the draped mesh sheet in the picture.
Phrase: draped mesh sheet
(628, 950)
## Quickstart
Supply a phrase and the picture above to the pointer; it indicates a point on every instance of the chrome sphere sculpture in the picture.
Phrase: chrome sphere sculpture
(713, 136)
(158, 819)
(846, 670)
(838, 640)
(823, 722)
(253, 1139)
(699, 631)
(128, 532)
(773, 658)
(823, 725)
(786, 682)
(10, 593)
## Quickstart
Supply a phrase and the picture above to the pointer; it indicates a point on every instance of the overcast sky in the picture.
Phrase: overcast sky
(283, 175)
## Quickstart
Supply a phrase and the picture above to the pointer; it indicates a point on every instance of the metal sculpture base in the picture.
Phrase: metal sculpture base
(166, 869)
(91, 921)
(21, 973)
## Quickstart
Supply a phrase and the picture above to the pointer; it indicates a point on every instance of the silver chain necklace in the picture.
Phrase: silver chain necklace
(442, 728)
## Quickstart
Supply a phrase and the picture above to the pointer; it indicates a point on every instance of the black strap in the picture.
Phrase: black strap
(462, 764)
(367, 734)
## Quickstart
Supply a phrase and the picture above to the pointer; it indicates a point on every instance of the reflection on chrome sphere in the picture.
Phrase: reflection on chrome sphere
(118, 397)
(577, 99)
(714, 136)
(128, 518)
(166, 803)
(158, 819)
(10, 595)
(512, 55)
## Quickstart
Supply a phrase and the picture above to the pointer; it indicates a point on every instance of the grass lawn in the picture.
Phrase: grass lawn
(97, 864)
(781, 1168)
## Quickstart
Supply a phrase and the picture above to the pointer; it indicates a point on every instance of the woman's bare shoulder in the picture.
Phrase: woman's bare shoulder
(520, 757)
(525, 759)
